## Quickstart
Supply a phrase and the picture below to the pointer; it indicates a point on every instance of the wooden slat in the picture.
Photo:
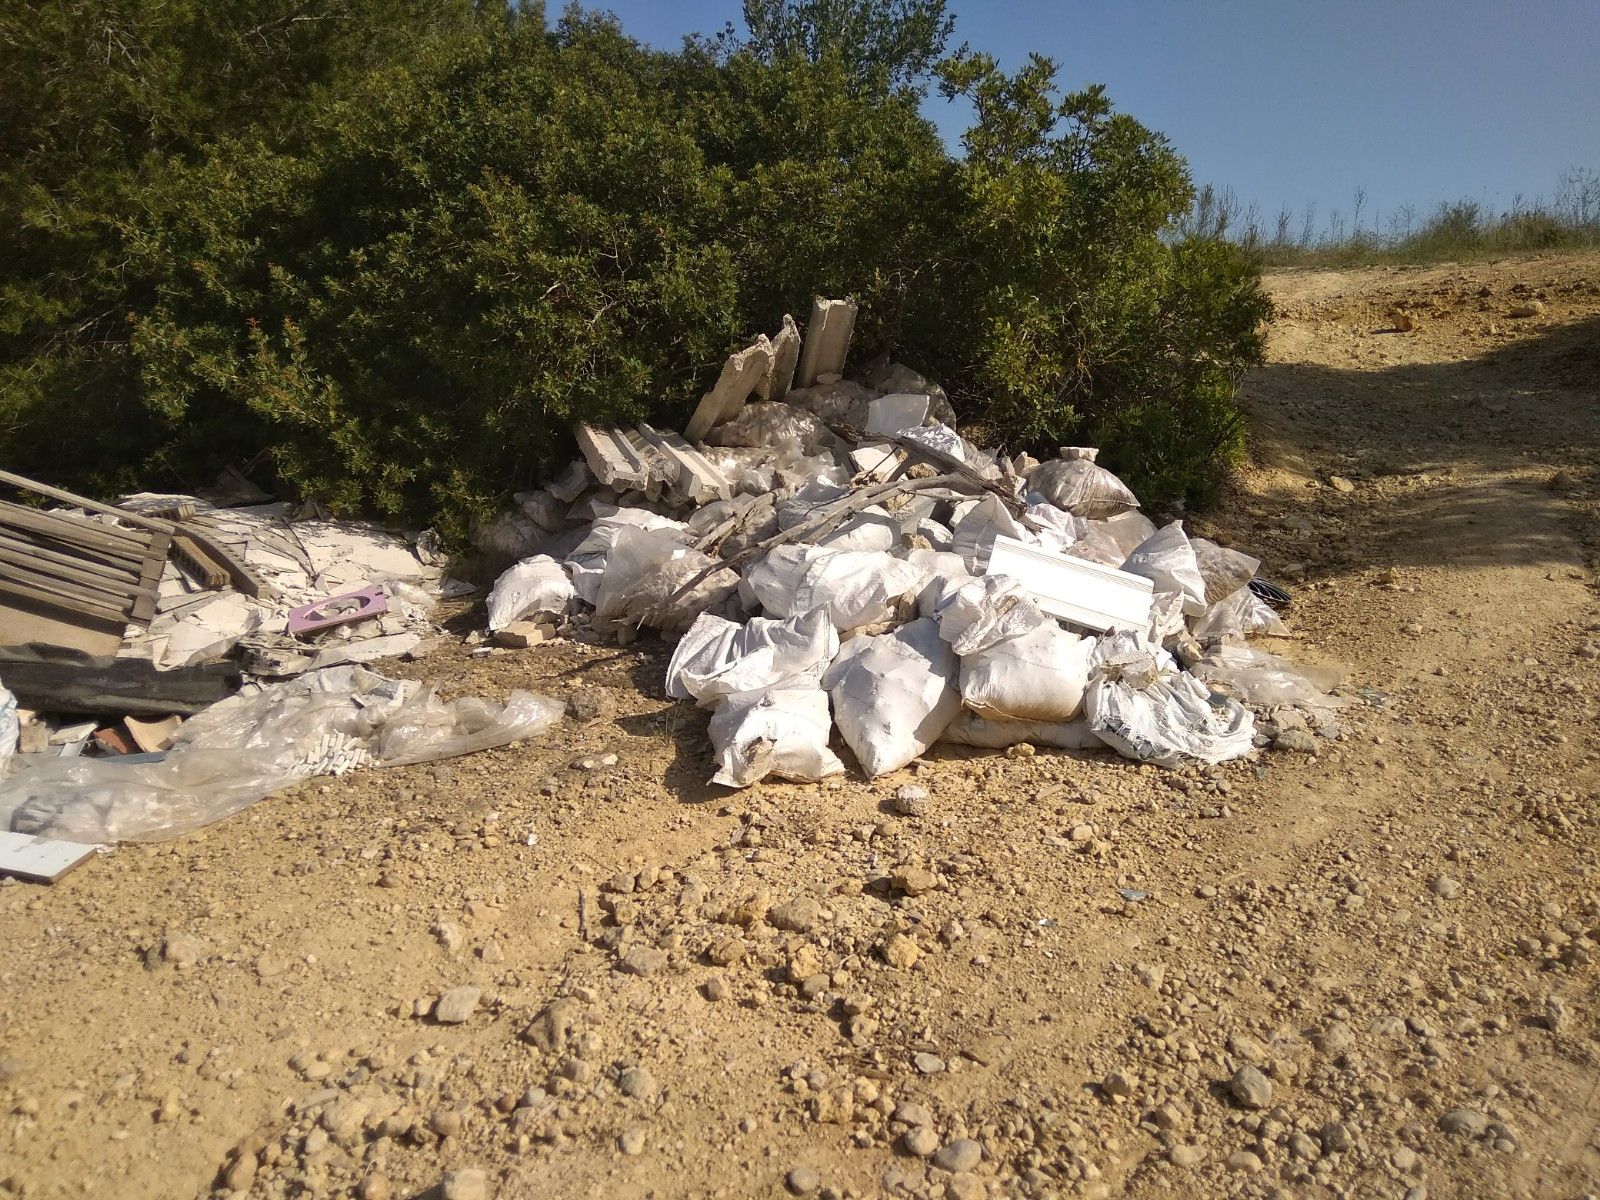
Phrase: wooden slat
(77, 501)
(22, 545)
(243, 578)
(144, 607)
(48, 569)
(201, 566)
(37, 594)
(78, 530)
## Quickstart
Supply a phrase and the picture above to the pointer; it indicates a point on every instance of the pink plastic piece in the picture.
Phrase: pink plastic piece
(367, 602)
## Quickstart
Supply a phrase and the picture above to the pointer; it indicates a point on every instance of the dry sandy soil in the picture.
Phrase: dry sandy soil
(1049, 978)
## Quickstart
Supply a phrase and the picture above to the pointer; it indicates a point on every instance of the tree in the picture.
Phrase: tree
(896, 42)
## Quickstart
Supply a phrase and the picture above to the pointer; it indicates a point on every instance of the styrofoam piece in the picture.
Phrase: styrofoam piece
(40, 860)
(1087, 594)
(890, 415)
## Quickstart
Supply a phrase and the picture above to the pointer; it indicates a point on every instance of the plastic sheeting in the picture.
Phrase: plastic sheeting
(782, 731)
(10, 729)
(1225, 571)
(1147, 712)
(1109, 542)
(644, 571)
(1261, 679)
(249, 746)
(894, 694)
(1240, 614)
(536, 586)
(718, 657)
(983, 612)
(587, 562)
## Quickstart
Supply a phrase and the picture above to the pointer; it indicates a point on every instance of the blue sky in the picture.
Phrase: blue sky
(1290, 102)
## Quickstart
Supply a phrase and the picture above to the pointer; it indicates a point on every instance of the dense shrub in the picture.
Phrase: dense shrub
(396, 269)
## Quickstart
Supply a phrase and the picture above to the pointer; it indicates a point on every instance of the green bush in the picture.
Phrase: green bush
(397, 269)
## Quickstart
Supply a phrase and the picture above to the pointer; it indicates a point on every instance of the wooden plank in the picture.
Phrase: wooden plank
(33, 548)
(56, 595)
(53, 680)
(200, 566)
(49, 569)
(77, 501)
(40, 860)
(243, 579)
(144, 606)
(76, 530)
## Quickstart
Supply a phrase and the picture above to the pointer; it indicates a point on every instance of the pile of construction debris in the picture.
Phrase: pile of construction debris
(166, 660)
(834, 554)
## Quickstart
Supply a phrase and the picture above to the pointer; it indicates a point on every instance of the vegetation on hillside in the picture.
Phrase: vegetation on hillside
(1455, 231)
(388, 251)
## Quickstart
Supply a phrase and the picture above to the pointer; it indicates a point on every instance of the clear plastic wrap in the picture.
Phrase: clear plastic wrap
(1225, 571)
(246, 747)
(10, 729)
(1240, 614)
(1261, 679)
(1167, 559)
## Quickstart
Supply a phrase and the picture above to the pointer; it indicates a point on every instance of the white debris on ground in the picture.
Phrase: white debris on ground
(835, 555)
(301, 562)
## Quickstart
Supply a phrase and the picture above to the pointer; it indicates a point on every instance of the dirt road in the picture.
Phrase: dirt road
(1364, 972)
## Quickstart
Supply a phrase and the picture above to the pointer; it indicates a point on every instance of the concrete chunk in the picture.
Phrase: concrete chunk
(689, 472)
(827, 342)
(740, 376)
(775, 384)
(613, 458)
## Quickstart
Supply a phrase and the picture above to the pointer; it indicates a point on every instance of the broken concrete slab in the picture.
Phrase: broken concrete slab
(689, 472)
(740, 375)
(775, 384)
(827, 342)
(613, 458)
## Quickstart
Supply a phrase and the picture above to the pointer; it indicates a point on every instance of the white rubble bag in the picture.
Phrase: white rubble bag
(780, 731)
(970, 729)
(893, 694)
(773, 425)
(857, 587)
(644, 570)
(1038, 676)
(719, 657)
(979, 525)
(1156, 715)
(1241, 614)
(985, 611)
(536, 586)
(895, 413)
(1109, 542)
(1083, 488)
(587, 563)
(1167, 559)
(945, 572)
(10, 729)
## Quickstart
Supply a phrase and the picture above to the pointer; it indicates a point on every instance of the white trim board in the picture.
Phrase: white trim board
(1071, 589)
(40, 860)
